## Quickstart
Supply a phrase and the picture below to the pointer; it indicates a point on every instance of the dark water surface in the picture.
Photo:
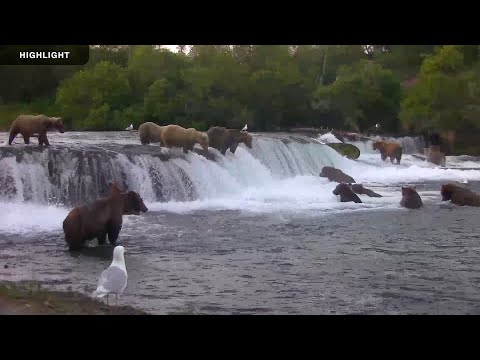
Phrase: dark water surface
(391, 261)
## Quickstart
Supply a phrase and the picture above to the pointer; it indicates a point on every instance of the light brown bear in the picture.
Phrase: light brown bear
(177, 136)
(389, 149)
(35, 125)
(150, 132)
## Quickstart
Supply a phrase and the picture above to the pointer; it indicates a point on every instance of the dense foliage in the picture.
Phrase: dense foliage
(269, 87)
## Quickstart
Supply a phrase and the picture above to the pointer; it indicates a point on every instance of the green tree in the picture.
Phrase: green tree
(446, 95)
(94, 94)
(365, 94)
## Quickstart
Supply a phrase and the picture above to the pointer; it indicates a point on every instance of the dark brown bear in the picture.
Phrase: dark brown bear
(459, 195)
(359, 189)
(35, 125)
(101, 218)
(336, 175)
(222, 139)
(410, 198)
(346, 193)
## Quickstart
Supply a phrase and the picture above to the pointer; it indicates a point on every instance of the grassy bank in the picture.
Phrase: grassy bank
(29, 298)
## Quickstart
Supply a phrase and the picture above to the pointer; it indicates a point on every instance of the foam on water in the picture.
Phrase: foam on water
(23, 218)
(328, 138)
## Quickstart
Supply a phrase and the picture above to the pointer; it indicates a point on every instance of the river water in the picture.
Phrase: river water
(255, 232)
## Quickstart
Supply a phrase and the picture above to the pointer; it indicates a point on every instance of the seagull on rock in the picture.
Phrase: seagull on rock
(129, 128)
(245, 128)
(113, 280)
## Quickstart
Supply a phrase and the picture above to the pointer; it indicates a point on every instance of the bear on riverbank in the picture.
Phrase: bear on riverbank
(336, 175)
(346, 193)
(221, 138)
(101, 218)
(177, 136)
(35, 125)
(150, 132)
(389, 149)
(459, 195)
(410, 198)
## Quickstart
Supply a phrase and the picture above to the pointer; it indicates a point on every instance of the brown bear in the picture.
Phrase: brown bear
(177, 136)
(346, 193)
(100, 218)
(222, 139)
(359, 189)
(335, 175)
(150, 132)
(435, 156)
(459, 195)
(389, 149)
(133, 203)
(410, 198)
(35, 125)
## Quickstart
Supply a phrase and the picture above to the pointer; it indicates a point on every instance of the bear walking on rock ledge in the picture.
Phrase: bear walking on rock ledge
(35, 125)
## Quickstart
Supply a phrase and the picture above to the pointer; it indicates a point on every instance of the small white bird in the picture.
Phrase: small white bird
(245, 128)
(465, 181)
(113, 280)
(129, 128)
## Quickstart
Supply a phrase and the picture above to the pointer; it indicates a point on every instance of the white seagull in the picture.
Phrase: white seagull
(113, 280)
(129, 128)
(245, 128)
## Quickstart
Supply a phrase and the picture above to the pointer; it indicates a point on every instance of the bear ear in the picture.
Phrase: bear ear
(114, 187)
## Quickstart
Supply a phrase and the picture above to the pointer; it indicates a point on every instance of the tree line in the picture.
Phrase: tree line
(269, 87)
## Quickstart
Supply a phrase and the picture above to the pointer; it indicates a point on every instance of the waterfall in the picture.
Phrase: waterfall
(76, 171)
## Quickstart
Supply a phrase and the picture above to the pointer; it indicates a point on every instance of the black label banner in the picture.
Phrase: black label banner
(44, 54)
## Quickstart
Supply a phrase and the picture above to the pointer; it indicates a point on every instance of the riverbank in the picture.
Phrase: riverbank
(29, 298)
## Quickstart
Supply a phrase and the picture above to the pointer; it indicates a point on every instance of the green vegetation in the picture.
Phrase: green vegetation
(270, 87)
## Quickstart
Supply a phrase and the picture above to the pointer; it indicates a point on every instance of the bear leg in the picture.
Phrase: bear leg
(113, 232)
(13, 135)
(42, 139)
(233, 148)
(26, 140)
(102, 239)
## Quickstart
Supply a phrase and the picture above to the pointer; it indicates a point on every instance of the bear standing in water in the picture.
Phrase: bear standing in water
(336, 175)
(101, 218)
(389, 149)
(35, 125)
(410, 198)
(346, 193)
(459, 195)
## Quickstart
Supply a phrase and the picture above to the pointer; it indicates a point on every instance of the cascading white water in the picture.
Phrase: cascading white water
(279, 172)
(63, 176)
